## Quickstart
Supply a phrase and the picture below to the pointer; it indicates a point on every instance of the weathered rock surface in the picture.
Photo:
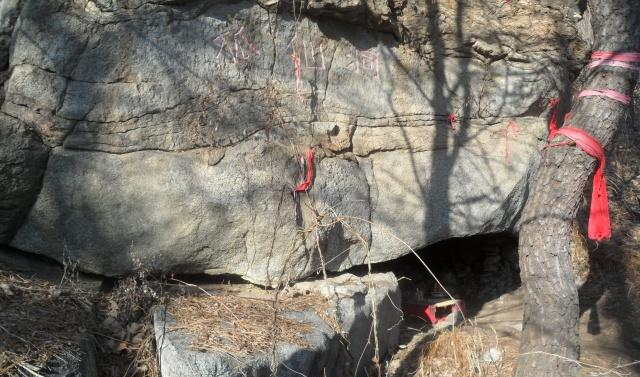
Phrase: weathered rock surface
(356, 299)
(175, 128)
(346, 351)
(23, 159)
(177, 359)
(9, 11)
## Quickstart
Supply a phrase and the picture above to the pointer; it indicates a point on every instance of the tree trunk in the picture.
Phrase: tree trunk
(550, 326)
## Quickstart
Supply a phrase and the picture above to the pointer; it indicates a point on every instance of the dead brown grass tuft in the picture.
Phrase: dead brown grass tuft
(466, 352)
(579, 254)
(125, 335)
(226, 322)
(38, 320)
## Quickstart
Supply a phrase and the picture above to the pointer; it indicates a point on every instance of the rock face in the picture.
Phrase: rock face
(23, 158)
(175, 128)
(342, 352)
(360, 304)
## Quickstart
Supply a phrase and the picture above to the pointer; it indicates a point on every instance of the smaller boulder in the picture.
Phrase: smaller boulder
(341, 341)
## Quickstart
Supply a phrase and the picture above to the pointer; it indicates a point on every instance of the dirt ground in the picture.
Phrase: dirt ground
(487, 345)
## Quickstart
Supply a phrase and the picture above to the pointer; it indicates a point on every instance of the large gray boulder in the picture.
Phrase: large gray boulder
(175, 127)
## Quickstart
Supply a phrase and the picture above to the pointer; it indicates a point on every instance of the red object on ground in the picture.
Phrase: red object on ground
(599, 224)
(304, 185)
(452, 121)
(430, 311)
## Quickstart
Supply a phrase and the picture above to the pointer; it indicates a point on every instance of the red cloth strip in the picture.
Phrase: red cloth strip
(614, 95)
(304, 185)
(616, 56)
(599, 224)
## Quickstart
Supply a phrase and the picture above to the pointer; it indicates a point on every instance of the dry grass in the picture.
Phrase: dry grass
(125, 334)
(226, 322)
(464, 352)
(38, 320)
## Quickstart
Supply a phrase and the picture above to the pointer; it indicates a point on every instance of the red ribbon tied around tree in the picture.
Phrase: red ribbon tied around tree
(599, 228)
(612, 94)
(304, 185)
(627, 60)
(599, 223)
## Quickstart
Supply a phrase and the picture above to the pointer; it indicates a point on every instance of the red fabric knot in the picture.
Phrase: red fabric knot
(612, 94)
(513, 130)
(599, 228)
(599, 224)
(615, 59)
(304, 185)
(452, 121)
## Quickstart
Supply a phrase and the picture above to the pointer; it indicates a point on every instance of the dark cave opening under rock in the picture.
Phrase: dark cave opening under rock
(474, 269)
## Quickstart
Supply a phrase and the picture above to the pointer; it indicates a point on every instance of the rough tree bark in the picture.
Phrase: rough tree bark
(550, 329)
